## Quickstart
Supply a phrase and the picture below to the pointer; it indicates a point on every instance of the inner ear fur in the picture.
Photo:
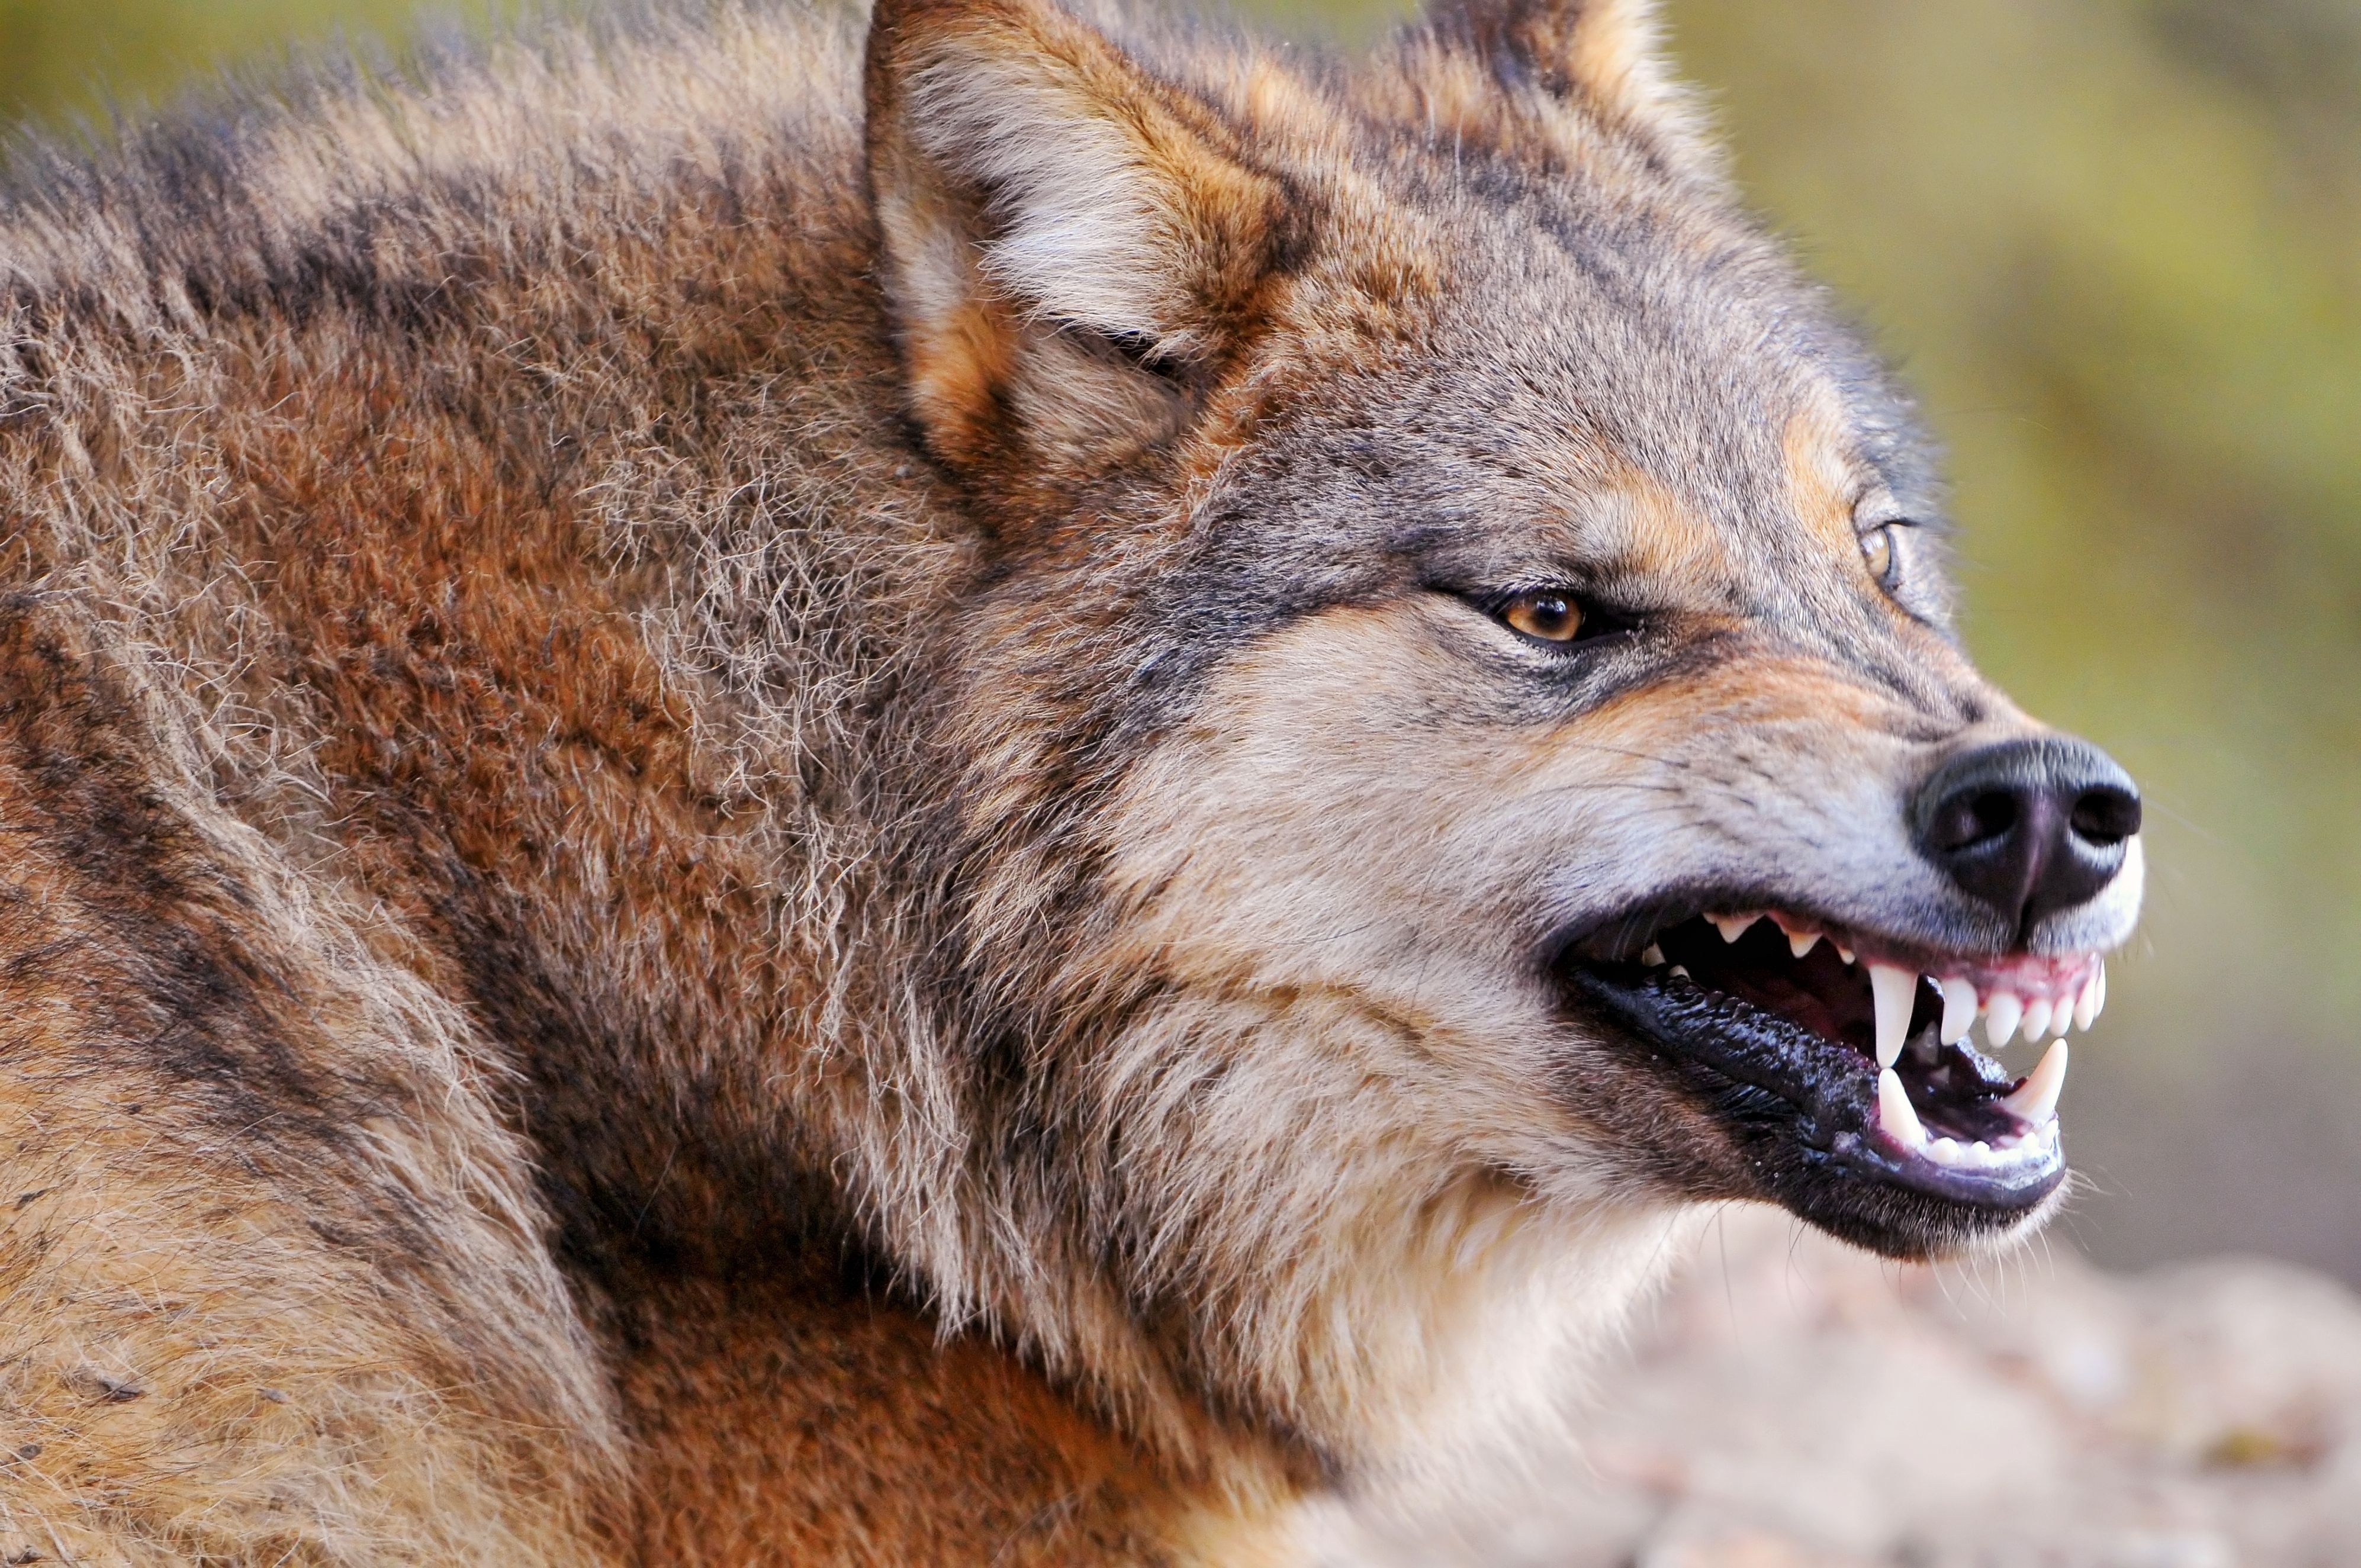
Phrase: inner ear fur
(1596, 61)
(1071, 246)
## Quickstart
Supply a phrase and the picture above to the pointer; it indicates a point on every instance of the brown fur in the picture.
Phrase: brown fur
(741, 825)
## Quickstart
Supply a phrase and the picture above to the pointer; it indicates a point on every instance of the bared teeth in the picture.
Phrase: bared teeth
(1734, 927)
(1895, 1114)
(2037, 1018)
(1802, 942)
(1958, 1008)
(1652, 955)
(2086, 1007)
(2002, 1012)
(1845, 953)
(1893, 991)
(2035, 1099)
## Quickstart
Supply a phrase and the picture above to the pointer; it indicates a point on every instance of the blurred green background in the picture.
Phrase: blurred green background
(2117, 245)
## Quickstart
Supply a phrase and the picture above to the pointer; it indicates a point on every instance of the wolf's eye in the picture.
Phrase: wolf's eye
(1544, 616)
(1878, 548)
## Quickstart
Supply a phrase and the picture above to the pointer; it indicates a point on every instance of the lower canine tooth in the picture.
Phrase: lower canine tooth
(1895, 1114)
(1959, 1007)
(1893, 991)
(2035, 1099)
(2001, 1014)
(2037, 1018)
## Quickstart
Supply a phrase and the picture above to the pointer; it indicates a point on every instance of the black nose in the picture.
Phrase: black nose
(2028, 825)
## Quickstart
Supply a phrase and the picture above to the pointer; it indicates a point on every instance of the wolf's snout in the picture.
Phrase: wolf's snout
(2028, 825)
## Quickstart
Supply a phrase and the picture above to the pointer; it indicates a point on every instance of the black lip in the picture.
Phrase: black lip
(1817, 1107)
(1619, 938)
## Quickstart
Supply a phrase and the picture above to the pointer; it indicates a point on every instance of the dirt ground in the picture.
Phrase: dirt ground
(1792, 1404)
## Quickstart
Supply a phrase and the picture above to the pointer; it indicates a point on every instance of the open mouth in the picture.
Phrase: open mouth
(1860, 1044)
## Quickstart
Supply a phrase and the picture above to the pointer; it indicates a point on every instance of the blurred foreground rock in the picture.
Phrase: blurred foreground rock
(1803, 1406)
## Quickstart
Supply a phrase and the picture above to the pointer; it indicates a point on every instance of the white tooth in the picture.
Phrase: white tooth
(2086, 1007)
(2037, 1018)
(1802, 942)
(1959, 1007)
(1734, 927)
(2101, 1006)
(1652, 955)
(1895, 1114)
(2002, 1012)
(1944, 1151)
(1681, 970)
(2062, 1018)
(1893, 991)
(2035, 1099)
(1844, 952)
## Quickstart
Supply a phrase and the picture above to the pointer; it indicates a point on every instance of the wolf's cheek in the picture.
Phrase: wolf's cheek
(1304, 848)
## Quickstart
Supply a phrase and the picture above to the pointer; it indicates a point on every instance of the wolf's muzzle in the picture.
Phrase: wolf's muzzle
(2028, 826)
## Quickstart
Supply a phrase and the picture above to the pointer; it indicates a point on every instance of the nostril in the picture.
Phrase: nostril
(2027, 826)
(1972, 817)
(2105, 814)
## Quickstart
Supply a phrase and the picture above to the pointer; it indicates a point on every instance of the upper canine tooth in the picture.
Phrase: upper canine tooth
(1734, 927)
(1959, 1007)
(2086, 1007)
(1896, 1114)
(2035, 1099)
(2003, 1012)
(1802, 942)
(2037, 1018)
(1893, 991)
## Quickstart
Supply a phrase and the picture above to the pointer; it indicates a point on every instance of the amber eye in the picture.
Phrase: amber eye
(1877, 549)
(1550, 617)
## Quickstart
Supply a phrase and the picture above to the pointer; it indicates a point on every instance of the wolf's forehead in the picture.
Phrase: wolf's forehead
(1610, 411)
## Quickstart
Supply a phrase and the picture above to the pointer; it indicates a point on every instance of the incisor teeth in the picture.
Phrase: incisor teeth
(2035, 1099)
(2002, 1012)
(1652, 955)
(1802, 942)
(1844, 952)
(2086, 1007)
(2037, 1018)
(1734, 927)
(2101, 1006)
(1896, 1114)
(1893, 991)
(1959, 1007)
(2063, 1018)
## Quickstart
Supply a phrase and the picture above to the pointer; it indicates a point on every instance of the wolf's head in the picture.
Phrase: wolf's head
(1461, 748)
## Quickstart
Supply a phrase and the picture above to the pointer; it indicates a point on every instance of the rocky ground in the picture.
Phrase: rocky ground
(1792, 1404)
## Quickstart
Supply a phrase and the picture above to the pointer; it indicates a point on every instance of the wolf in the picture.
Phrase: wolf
(976, 785)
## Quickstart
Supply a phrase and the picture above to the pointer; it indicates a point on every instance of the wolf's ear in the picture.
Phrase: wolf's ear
(1071, 246)
(1600, 58)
